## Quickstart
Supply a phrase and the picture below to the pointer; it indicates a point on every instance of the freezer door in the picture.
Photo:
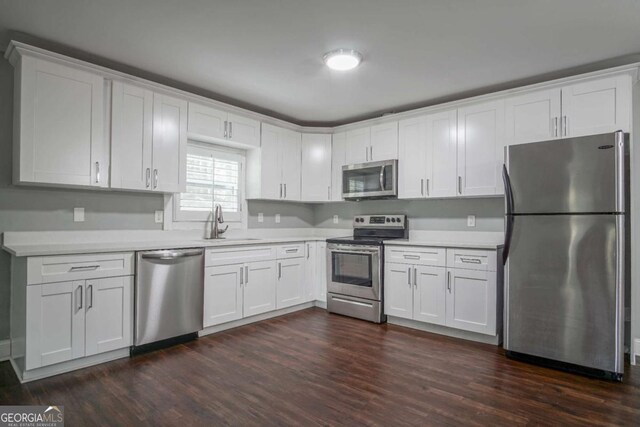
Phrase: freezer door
(563, 289)
(573, 175)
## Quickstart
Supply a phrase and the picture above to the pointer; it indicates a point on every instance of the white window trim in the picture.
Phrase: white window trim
(176, 219)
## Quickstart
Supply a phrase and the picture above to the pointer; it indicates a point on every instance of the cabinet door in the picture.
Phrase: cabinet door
(291, 152)
(206, 121)
(441, 154)
(384, 142)
(321, 271)
(109, 308)
(480, 149)
(338, 159)
(412, 152)
(532, 117)
(259, 287)
(222, 294)
(597, 106)
(131, 134)
(316, 167)
(244, 130)
(471, 300)
(357, 146)
(429, 298)
(270, 164)
(55, 323)
(290, 290)
(60, 114)
(169, 144)
(398, 290)
(310, 271)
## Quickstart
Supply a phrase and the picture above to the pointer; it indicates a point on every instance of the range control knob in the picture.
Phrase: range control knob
(393, 220)
(398, 219)
(388, 220)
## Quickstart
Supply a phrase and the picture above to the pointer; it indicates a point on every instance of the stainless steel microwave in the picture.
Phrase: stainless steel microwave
(373, 180)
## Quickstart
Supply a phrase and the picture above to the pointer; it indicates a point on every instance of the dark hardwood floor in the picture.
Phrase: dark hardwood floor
(313, 368)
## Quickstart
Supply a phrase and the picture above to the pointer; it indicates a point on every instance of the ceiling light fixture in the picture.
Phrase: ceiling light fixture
(342, 59)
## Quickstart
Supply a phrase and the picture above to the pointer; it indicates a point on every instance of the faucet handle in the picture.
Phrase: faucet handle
(223, 230)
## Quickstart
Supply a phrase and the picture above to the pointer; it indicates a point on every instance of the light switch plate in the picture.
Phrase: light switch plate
(260, 217)
(277, 218)
(336, 219)
(471, 220)
(159, 216)
(78, 214)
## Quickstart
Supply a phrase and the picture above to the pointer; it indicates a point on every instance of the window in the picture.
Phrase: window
(214, 176)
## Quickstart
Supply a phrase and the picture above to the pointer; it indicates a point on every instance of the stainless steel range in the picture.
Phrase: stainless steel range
(355, 266)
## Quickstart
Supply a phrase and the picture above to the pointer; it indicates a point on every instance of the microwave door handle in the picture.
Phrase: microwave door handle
(381, 178)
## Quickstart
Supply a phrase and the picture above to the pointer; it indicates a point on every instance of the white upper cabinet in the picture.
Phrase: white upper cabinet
(316, 167)
(274, 170)
(131, 136)
(441, 130)
(338, 160)
(214, 125)
(532, 117)
(357, 146)
(169, 144)
(480, 149)
(384, 142)
(59, 125)
(412, 158)
(597, 106)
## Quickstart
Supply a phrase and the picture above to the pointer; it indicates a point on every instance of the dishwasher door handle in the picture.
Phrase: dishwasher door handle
(171, 254)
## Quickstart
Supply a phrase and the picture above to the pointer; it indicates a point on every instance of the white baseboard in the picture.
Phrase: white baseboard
(5, 350)
(443, 330)
(321, 304)
(253, 319)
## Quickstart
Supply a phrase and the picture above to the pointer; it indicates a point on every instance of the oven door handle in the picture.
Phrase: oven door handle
(350, 252)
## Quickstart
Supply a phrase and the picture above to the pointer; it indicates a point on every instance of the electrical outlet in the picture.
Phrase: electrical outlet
(277, 218)
(471, 220)
(78, 214)
(336, 219)
(260, 217)
(159, 216)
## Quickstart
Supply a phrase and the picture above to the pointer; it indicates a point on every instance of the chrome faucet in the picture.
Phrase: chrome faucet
(217, 220)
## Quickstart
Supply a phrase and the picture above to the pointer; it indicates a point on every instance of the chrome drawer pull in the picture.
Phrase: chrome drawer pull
(471, 260)
(411, 256)
(291, 250)
(84, 268)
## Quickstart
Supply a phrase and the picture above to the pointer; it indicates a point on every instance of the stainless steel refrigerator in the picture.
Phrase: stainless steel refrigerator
(565, 254)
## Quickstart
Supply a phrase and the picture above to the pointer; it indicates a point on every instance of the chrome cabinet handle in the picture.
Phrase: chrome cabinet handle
(225, 129)
(427, 186)
(366, 153)
(285, 190)
(308, 250)
(329, 193)
(241, 275)
(155, 178)
(407, 256)
(459, 184)
(409, 276)
(84, 268)
(471, 260)
(148, 181)
(281, 191)
(97, 172)
(449, 281)
(79, 300)
(230, 129)
(90, 296)
(246, 275)
(371, 153)
(422, 186)
(564, 125)
(291, 251)
(415, 277)
(555, 126)
(279, 270)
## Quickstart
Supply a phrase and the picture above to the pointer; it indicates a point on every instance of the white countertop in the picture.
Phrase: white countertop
(23, 244)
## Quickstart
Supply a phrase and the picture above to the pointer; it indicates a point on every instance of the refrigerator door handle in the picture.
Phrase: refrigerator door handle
(508, 195)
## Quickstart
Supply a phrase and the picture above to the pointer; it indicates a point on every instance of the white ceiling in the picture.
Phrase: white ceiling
(267, 54)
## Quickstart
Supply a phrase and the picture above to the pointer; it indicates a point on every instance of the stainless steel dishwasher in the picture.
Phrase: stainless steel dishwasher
(169, 295)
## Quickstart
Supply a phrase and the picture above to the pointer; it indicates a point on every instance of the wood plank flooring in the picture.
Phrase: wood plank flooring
(313, 368)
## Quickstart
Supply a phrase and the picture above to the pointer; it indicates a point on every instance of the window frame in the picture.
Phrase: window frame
(224, 153)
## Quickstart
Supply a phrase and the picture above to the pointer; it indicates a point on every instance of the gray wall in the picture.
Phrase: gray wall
(292, 215)
(444, 214)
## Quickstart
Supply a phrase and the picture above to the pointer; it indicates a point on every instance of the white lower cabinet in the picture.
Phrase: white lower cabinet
(310, 271)
(461, 298)
(222, 294)
(259, 288)
(74, 319)
(321, 268)
(290, 285)
(471, 300)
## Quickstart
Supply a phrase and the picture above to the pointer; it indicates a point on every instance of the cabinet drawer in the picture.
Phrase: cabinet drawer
(238, 255)
(416, 255)
(471, 259)
(48, 269)
(294, 250)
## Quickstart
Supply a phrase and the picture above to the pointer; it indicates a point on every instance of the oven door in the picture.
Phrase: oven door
(354, 270)
(370, 180)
